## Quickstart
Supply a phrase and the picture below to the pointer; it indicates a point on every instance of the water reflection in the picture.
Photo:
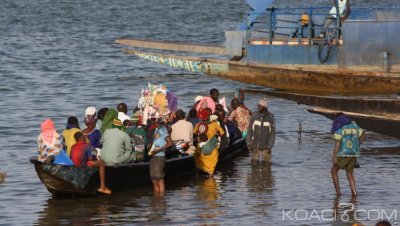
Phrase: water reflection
(99, 210)
(208, 192)
(344, 211)
(260, 178)
(103, 212)
(65, 211)
(158, 208)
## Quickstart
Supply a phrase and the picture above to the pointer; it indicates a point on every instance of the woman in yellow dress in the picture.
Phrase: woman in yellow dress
(206, 155)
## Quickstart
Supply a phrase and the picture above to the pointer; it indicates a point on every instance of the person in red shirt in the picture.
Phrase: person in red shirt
(82, 155)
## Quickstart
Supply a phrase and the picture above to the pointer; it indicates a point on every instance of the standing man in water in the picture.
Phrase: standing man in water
(348, 136)
(261, 133)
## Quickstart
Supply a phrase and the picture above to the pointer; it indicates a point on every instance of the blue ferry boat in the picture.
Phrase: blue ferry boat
(283, 48)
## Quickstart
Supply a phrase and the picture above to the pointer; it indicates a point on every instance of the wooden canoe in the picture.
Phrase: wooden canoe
(127, 175)
(388, 107)
(383, 125)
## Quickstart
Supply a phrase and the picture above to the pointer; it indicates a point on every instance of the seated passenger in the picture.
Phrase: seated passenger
(50, 143)
(183, 130)
(117, 147)
(122, 112)
(224, 139)
(138, 138)
(197, 101)
(240, 116)
(82, 155)
(233, 132)
(214, 94)
(68, 133)
(93, 134)
(108, 120)
(90, 111)
(100, 117)
(193, 117)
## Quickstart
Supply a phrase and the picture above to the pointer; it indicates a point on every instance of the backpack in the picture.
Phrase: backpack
(139, 146)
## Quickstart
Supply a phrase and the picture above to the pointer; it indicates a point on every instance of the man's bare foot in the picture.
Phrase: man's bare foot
(104, 191)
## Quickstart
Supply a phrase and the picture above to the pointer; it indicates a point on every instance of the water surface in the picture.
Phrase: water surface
(58, 57)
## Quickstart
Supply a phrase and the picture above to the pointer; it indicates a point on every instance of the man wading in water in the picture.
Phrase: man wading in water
(348, 136)
(261, 133)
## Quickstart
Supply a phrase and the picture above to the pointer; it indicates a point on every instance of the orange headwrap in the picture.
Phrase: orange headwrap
(48, 130)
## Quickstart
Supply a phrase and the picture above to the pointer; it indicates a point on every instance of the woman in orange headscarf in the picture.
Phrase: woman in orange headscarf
(49, 141)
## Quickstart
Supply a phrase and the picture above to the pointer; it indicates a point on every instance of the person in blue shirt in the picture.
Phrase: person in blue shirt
(348, 136)
(161, 142)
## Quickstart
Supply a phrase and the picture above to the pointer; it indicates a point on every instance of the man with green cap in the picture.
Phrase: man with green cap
(117, 147)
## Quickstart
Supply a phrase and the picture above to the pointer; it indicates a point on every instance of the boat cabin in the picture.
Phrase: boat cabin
(365, 41)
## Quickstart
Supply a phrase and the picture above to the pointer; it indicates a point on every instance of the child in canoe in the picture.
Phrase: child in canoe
(81, 155)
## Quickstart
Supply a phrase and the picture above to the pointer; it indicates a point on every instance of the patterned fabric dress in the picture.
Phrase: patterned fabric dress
(48, 149)
(207, 163)
(241, 117)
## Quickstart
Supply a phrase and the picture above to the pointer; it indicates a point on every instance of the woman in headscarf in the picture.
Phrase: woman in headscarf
(206, 155)
(108, 120)
(50, 143)
(69, 132)
(206, 102)
(93, 134)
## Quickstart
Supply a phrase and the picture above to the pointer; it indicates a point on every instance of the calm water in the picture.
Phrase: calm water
(58, 57)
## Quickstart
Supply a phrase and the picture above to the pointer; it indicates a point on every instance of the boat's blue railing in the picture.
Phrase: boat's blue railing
(277, 22)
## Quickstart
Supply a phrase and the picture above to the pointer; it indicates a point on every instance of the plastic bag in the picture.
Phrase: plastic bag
(63, 159)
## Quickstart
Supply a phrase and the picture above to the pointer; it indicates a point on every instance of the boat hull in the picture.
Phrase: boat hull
(387, 107)
(326, 79)
(386, 126)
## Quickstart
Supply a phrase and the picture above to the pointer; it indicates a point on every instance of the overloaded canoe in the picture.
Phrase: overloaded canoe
(63, 180)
